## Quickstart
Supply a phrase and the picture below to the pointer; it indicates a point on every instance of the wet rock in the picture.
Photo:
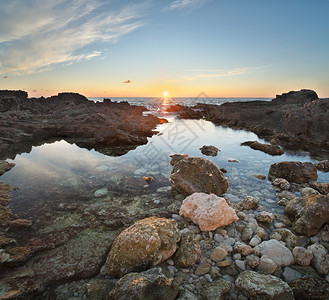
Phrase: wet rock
(209, 150)
(197, 174)
(282, 183)
(188, 251)
(308, 288)
(320, 259)
(260, 286)
(256, 240)
(142, 245)
(265, 217)
(207, 211)
(323, 165)
(321, 187)
(176, 158)
(151, 285)
(218, 254)
(260, 176)
(101, 193)
(310, 213)
(293, 171)
(266, 148)
(216, 290)
(249, 202)
(5, 166)
(20, 224)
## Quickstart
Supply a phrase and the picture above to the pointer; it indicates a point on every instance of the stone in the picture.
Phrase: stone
(246, 234)
(5, 166)
(261, 233)
(176, 158)
(188, 251)
(240, 264)
(252, 261)
(290, 274)
(144, 244)
(255, 241)
(249, 202)
(218, 254)
(291, 240)
(207, 211)
(266, 148)
(260, 176)
(209, 150)
(310, 213)
(293, 171)
(224, 263)
(308, 288)
(320, 259)
(151, 285)
(202, 269)
(265, 217)
(242, 248)
(261, 286)
(275, 251)
(323, 165)
(101, 193)
(308, 191)
(267, 265)
(19, 224)
(282, 183)
(216, 290)
(322, 187)
(196, 174)
(185, 294)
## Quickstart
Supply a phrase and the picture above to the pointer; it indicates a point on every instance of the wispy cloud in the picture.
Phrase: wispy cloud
(127, 81)
(36, 34)
(187, 4)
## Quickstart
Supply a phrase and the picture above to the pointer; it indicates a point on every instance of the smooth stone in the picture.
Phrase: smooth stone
(290, 274)
(101, 192)
(218, 254)
(320, 259)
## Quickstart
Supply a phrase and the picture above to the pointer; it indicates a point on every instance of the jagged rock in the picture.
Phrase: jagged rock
(266, 148)
(176, 158)
(309, 288)
(216, 290)
(209, 150)
(293, 171)
(249, 202)
(301, 96)
(207, 211)
(323, 165)
(196, 174)
(261, 286)
(282, 183)
(142, 245)
(265, 217)
(321, 187)
(310, 213)
(320, 259)
(302, 256)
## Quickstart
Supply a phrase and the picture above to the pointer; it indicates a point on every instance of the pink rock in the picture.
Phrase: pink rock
(207, 211)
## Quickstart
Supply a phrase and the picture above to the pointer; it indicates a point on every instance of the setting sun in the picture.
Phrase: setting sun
(165, 93)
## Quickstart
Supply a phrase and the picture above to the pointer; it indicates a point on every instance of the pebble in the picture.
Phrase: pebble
(218, 238)
(229, 241)
(218, 254)
(255, 241)
(202, 269)
(224, 263)
(240, 264)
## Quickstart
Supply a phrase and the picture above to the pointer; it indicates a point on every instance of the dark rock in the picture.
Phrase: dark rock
(323, 165)
(20, 224)
(269, 149)
(176, 158)
(195, 174)
(310, 213)
(321, 187)
(308, 288)
(5, 166)
(293, 171)
(301, 96)
(209, 150)
(216, 290)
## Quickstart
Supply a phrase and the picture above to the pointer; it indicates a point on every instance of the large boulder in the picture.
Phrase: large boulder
(144, 244)
(263, 287)
(207, 211)
(309, 288)
(301, 96)
(310, 213)
(196, 174)
(293, 171)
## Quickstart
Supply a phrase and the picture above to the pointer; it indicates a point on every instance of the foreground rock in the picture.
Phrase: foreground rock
(310, 288)
(293, 171)
(142, 245)
(323, 165)
(5, 166)
(269, 149)
(310, 213)
(207, 211)
(25, 122)
(196, 174)
(260, 286)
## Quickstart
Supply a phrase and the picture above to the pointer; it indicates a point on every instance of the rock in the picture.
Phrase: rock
(301, 96)
(290, 274)
(20, 224)
(148, 179)
(322, 187)
(242, 248)
(196, 174)
(176, 158)
(207, 211)
(151, 285)
(252, 261)
(188, 251)
(218, 254)
(309, 191)
(99, 288)
(308, 288)
(265, 217)
(142, 245)
(310, 213)
(320, 259)
(202, 269)
(246, 234)
(282, 183)
(101, 193)
(216, 290)
(291, 240)
(260, 176)
(186, 295)
(266, 148)
(275, 251)
(260, 286)
(323, 165)
(255, 241)
(209, 150)
(249, 202)
(267, 265)
(240, 264)
(5, 166)
(293, 171)
(261, 233)
(224, 263)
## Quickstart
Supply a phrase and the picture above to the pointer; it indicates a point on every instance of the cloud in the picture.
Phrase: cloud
(127, 81)
(37, 34)
(187, 4)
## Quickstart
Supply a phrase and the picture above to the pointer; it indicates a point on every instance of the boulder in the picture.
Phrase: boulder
(149, 285)
(301, 96)
(263, 287)
(216, 290)
(142, 245)
(266, 148)
(249, 202)
(209, 150)
(207, 211)
(302, 256)
(196, 174)
(308, 288)
(310, 213)
(293, 171)
(265, 217)
(320, 259)
(323, 165)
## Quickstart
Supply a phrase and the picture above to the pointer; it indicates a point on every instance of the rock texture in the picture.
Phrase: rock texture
(207, 211)
(310, 213)
(209, 150)
(323, 165)
(196, 174)
(309, 288)
(269, 149)
(293, 171)
(142, 245)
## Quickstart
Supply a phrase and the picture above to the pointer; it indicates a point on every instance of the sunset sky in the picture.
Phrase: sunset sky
(112, 48)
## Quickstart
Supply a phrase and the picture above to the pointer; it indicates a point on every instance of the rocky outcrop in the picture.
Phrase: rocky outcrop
(142, 245)
(25, 122)
(5, 166)
(209, 150)
(293, 171)
(207, 211)
(301, 96)
(266, 148)
(195, 175)
(310, 213)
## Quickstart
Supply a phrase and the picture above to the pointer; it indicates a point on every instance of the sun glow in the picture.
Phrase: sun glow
(165, 93)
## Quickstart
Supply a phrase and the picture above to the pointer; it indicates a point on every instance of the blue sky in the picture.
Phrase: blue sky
(224, 48)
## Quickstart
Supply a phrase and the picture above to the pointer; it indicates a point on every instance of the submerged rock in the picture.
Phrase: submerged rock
(209, 150)
(207, 211)
(249, 202)
(142, 245)
(266, 148)
(195, 175)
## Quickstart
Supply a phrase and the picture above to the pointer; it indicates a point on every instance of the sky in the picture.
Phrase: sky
(113, 48)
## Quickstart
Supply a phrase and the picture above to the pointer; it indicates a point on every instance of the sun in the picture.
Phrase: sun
(165, 93)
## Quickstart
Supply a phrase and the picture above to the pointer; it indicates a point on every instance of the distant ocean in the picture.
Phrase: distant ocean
(157, 103)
